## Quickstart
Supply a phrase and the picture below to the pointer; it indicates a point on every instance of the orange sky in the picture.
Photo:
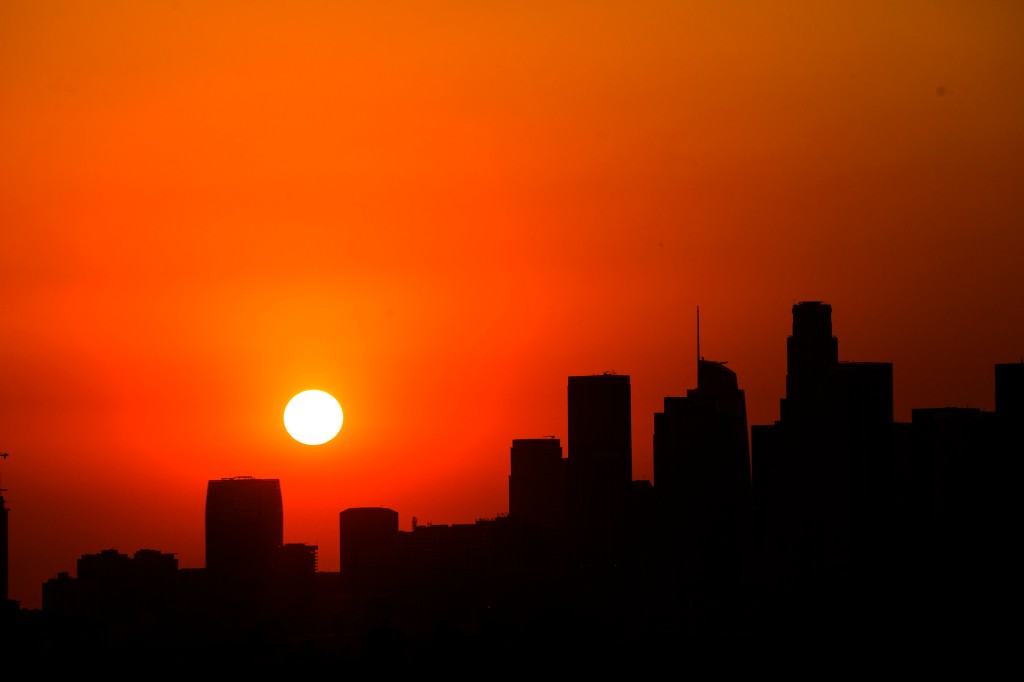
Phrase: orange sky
(438, 211)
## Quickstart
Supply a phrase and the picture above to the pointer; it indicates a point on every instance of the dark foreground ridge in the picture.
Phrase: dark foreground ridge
(833, 539)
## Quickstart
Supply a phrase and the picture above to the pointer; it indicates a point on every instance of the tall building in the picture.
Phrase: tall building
(811, 354)
(600, 465)
(536, 484)
(4, 556)
(1010, 391)
(244, 526)
(600, 425)
(969, 496)
(5, 600)
(821, 473)
(363, 533)
(1009, 437)
(702, 472)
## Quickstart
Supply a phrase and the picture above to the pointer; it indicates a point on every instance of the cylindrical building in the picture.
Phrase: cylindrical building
(361, 530)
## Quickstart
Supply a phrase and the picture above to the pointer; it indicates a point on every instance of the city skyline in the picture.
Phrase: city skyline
(835, 519)
(714, 381)
(438, 211)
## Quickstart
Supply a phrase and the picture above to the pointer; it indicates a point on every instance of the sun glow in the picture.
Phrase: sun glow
(313, 417)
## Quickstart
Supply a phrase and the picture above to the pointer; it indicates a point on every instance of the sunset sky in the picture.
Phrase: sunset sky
(438, 211)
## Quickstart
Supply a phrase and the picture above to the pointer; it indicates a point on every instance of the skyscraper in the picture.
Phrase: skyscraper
(362, 532)
(702, 471)
(5, 602)
(244, 526)
(536, 485)
(1010, 390)
(819, 469)
(600, 426)
(811, 354)
(4, 558)
(600, 464)
(1009, 424)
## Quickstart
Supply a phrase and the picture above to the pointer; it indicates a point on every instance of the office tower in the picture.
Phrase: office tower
(104, 581)
(600, 465)
(364, 533)
(823, 472)
(1010, 391)
(600, 426)
(953, 445)
(702, 472)
(244, 526)
(1009, 436)
(4, 556)
(811, 353)
(296, 574)
(969, 562)
(536, 485)
(966, 475)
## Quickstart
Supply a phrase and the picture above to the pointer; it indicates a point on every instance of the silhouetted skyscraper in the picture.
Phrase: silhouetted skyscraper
(600, 464)
(965, 474)
(702, 471)
(244, 526)
(1010, 390)
(1009, 434)
(362, 531)
(821, 471)
(811, 353)
(600, 426)
(4, 549)
(536, 485)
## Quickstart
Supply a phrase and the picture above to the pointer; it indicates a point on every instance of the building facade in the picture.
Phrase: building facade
(537, 483)
(244, 526)
(600, 466)
(702, 479)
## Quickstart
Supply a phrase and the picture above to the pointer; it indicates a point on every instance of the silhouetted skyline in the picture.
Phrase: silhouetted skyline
(437, 212)
(836, 515)
(440, 212)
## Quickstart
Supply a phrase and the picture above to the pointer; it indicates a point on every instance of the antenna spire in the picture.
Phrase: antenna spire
(698, 335)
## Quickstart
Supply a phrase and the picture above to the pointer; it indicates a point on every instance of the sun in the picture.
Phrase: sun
(313, 417)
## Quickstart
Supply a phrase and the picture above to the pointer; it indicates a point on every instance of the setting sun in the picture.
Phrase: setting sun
(313, 417)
